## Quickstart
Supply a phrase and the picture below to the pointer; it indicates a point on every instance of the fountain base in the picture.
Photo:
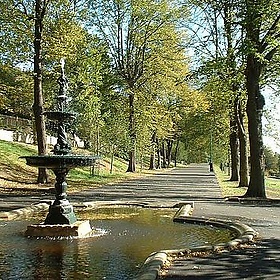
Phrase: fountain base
(60, 214)
(77, 229)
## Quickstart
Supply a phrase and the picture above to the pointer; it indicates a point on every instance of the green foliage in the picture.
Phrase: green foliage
(16, 37)
(144, 46)
(216, 42)
(271, 161)
(60, 30)
(15, 91)
(140, 51)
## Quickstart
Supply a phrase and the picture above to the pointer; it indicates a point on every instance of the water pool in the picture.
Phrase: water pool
(131, 235)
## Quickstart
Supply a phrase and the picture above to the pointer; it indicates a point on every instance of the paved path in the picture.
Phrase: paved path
(195, 183)
(180, 185)
(11, 201)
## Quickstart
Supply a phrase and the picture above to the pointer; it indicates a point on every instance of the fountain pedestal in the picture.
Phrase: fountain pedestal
(61, 214)
(61, 220)
(61, 211)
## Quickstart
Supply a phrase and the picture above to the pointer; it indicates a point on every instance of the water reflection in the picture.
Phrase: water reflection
(114, 256)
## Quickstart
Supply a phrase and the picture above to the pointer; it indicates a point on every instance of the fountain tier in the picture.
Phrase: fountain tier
(60, 161)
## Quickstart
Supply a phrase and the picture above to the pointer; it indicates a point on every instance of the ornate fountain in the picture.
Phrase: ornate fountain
(61, 212)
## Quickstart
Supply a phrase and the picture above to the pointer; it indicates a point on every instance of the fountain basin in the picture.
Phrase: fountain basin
(78, 229)
(131, 235)
(60, 161)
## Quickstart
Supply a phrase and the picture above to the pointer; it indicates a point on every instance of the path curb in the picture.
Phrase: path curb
(24, 212)
(156, 261)
(152, 266)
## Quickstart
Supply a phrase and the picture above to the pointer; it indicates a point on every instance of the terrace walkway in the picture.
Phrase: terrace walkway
(180, 185)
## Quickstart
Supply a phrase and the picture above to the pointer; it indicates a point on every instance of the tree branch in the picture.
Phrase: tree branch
(270, 33)
(22, 8)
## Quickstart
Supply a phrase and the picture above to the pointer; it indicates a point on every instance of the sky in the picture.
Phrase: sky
(271, 123)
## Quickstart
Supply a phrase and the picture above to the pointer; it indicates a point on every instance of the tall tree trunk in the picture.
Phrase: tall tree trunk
(243, 171)
(234, 144)
(255, 101)
(169, 151)
(255, 105)
(176, 152)
(132, 135)
(38, 92)
(112, 159)
(233, 141)
(153, 152)
(158, 154)
(164, 162)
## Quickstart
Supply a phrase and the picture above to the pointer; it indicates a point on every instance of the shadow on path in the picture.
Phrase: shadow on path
(259, 261)
(194, 182)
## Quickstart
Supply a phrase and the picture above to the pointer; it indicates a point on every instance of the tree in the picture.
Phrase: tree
(214, 40)
(271, 161)
(15, 87)
(40, 12)
(86, 70)
(16, 32)
(131, 29)
(228, 12)
(262, 41)
(18, 17)
(235, 62)
(242, 135)
(18, 21)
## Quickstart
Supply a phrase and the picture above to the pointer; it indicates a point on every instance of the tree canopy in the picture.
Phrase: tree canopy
(168, 80)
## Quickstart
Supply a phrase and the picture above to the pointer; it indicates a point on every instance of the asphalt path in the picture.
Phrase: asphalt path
(180, 185)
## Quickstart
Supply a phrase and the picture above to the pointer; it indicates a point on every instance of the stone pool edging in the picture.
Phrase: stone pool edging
(43, 206)
(159, 260)
(25, 211)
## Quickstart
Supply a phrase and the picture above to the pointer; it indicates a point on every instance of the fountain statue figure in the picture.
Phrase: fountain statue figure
(62, 146)
(62, 160)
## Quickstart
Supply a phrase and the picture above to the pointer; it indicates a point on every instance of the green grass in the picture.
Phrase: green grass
(11, 167)
(231, 188)
(273, 187)
(15, 174)
(10, 151)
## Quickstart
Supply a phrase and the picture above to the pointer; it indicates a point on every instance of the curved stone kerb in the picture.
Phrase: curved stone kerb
(156, 261)
(152, 266)
(25, 211)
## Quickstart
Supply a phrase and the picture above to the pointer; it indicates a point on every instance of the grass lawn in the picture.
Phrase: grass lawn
(231, 188)
(17, 176)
